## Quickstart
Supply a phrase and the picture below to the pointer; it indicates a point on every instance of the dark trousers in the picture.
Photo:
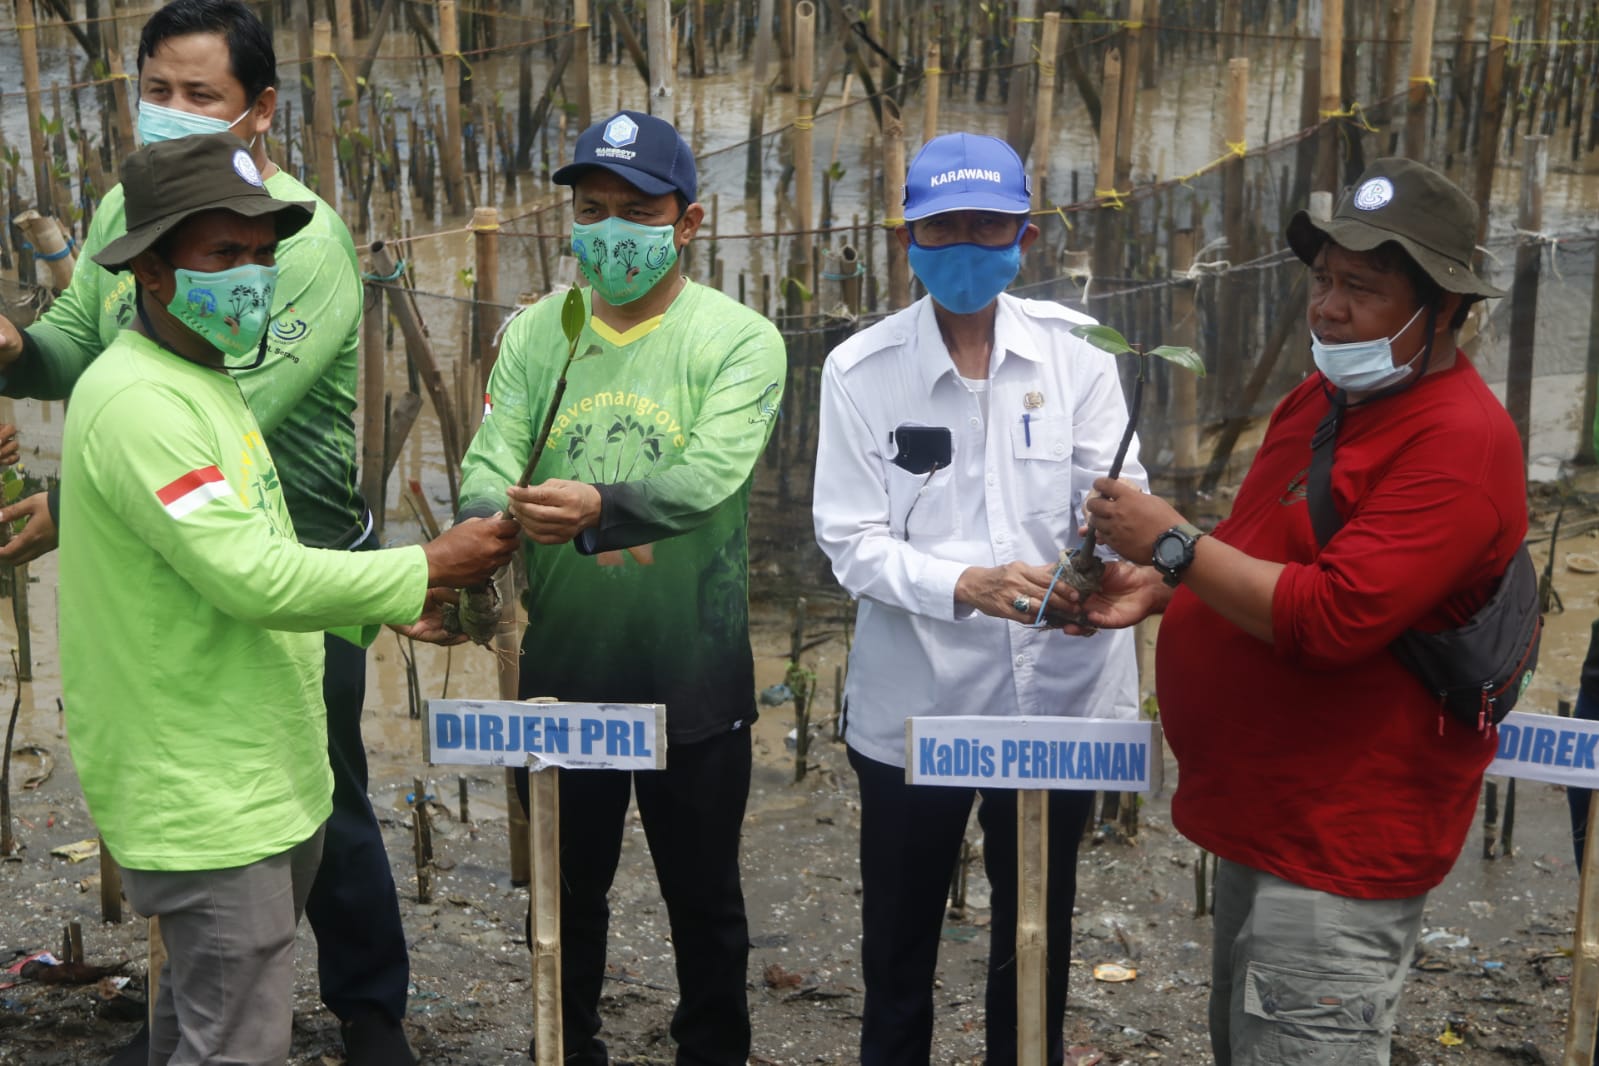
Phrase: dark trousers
(910, 842)
(353, 910)
(1578, 798)
(692, 813)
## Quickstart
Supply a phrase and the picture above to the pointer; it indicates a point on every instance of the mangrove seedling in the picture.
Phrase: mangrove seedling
(1080, 568)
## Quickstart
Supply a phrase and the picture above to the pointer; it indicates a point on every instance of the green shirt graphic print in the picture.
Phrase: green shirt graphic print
(653, 605)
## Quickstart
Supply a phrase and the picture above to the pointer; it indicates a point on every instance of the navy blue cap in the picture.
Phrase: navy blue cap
(966, 172)
(643, 150)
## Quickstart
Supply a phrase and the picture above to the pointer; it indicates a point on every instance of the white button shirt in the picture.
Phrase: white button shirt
(1013, 492)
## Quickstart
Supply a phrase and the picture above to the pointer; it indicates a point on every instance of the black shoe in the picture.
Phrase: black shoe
(374, 1039)
(135, 1052)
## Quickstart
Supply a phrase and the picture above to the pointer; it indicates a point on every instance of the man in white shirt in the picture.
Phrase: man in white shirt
(958, 440)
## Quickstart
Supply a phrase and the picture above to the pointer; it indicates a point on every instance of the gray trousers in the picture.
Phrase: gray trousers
(1305, 978)
(227, 987)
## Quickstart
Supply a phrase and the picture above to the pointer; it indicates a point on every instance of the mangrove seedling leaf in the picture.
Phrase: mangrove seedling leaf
(1104, 338)
(1186, 358)
(573, 316)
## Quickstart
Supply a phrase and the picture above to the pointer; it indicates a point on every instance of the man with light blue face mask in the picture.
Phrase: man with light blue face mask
(1388, 498)
(207, 66)
(957, 440)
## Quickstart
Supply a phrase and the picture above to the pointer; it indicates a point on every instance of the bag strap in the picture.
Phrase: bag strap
(1324, 516)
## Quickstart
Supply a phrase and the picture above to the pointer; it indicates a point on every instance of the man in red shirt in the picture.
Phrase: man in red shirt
(1324, 775)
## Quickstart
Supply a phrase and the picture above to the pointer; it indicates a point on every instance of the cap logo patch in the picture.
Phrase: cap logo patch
(621, 131)
(244, 167)
(1374, 194)
(966, 174)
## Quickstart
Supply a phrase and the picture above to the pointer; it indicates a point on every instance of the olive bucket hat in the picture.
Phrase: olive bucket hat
(167, 182)
(1415, 207)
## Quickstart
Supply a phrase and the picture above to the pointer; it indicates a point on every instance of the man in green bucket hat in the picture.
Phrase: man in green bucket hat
(1329, 780)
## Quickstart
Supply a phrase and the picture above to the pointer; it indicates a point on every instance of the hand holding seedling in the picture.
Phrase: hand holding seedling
(554, 511)
(1128, 519)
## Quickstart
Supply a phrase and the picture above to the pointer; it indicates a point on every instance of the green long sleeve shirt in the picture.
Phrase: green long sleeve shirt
(667, 421)
(191, 651)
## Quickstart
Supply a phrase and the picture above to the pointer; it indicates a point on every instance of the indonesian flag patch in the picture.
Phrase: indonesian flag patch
(193, 489)
(488, 405)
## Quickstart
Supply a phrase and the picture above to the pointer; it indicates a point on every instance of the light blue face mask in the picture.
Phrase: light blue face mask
(1363, 366)
(965, 278)
(158, 123)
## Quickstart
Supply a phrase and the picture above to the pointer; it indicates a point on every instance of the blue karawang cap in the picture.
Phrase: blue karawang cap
(966, 172)
(643, 150)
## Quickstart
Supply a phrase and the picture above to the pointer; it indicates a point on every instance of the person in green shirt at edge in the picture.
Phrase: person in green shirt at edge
(646, 475)
(191, 617)
(208, 65)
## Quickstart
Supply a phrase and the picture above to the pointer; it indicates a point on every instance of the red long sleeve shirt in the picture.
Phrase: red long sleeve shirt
(1319, 758)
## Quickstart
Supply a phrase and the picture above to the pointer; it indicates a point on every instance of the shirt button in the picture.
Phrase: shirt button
(992, 480)
(975, 422)
(1060, 448)
(1021, 660)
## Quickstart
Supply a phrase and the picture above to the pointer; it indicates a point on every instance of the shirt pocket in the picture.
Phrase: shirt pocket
(920, 507)
(1042, 448)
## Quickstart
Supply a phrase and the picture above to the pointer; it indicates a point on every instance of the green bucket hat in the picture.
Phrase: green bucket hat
(166, 182)
(1412, 205)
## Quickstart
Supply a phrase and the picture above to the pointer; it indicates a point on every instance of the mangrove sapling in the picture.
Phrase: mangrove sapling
(477, 611)
(1081, 568)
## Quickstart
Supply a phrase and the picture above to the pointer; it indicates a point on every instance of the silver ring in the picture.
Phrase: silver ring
(1022, 604)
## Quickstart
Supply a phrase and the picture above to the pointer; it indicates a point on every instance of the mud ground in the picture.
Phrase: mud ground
(1492, 986)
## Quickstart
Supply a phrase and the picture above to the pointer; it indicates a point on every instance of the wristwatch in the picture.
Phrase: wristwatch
(1174, 551)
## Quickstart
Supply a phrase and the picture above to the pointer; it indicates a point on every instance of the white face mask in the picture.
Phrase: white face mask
(1363, 366)
(158, 123)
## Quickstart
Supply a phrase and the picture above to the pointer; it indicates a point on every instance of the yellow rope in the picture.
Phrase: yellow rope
(1111, 197)
(933, 72)
(464, 63)
(1235, 150)
(1354, 111)
(1430, 83)
(893, 223)
(804, 124)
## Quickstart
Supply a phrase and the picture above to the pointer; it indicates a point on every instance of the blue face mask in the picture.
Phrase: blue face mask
(1363, 366)
(157, 123)
(965, 278)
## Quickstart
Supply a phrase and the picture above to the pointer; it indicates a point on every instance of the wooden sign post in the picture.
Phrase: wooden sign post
(547, 737)
(1034, 756)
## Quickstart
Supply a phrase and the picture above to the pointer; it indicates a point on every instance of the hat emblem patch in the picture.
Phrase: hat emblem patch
(621, 131)
(244, 167)
(1374, 193)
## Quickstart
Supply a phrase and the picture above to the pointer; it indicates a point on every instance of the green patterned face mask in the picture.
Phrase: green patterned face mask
(623, 260)
(230, 309)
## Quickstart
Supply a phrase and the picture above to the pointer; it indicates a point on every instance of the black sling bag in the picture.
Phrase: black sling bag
(1477, 671)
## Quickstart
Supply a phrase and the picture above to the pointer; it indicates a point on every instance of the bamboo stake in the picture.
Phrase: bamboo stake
(450, 48)
(658, 28)
(899, 277)
(110, 886)
(1590, 385)
(580, 60)
(48, 245)
(28, 38)
(322, 79)
(373, 445)
(1394, 35)
(1492, 113)
(752, 159)
(1127, 103)
(344, 34)
(1105, 175)
(1016, 131)
(1524, 294)
(1332, 94)
(157, 950)
(1032, 924)
(1044, 109)
(1422, 15)
(804, 66)
(1230, 371)
(544, 909)
(935, 84)
(119, 85)
(486, 242)
(1582, 1023)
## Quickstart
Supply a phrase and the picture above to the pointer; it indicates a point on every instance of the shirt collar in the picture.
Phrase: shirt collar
(1011, 338)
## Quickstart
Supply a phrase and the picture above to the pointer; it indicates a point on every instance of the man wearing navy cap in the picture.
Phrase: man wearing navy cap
(647, 475)
(958, 439)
